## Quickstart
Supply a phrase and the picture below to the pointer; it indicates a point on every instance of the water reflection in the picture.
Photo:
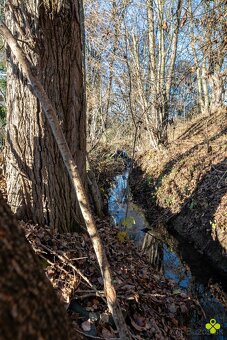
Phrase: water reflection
(154, 250)
(194, 276)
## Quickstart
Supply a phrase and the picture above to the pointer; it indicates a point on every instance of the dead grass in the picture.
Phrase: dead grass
(190, 177)
(201, 145)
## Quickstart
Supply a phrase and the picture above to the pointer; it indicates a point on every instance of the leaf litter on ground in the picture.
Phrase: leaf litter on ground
(151, 306)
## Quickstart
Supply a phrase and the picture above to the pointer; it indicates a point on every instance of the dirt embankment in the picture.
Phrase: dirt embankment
(185, 186)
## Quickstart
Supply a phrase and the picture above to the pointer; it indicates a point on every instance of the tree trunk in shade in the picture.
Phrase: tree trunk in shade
(29, 307)
(38, 186)
(73, 172)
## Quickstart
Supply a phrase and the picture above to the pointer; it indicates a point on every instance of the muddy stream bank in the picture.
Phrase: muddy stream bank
(175, 259)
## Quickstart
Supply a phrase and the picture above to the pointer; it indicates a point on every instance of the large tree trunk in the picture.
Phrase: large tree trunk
(38, 187)
(29, 307)
(73, 172)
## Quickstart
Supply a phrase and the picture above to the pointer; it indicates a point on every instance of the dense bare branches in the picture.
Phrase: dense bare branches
(167, 59)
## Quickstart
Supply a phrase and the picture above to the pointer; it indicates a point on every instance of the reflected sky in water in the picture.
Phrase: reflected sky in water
(167, 261)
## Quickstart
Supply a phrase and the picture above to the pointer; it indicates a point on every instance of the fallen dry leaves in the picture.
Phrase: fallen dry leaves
(149, 301)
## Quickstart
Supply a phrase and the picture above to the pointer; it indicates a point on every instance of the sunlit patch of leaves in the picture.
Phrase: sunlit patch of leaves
(122, 235)
(127, 223)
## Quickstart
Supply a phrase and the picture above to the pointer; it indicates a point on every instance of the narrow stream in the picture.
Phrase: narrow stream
(178, 262)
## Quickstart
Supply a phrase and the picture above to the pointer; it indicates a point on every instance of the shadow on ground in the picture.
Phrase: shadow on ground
(195, 220)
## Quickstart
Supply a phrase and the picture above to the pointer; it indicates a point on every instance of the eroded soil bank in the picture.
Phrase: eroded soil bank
(185, 186)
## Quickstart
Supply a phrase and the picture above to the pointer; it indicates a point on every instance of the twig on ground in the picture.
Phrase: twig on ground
(76, 297)
(67, 261)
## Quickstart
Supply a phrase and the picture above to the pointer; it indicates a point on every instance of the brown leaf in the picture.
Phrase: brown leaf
(86, 326)
(107, 334)
(140, 320)
(172, 308)
(175, 322)
(104, 318)
(183, 308)
(137, 327)
(128, 287)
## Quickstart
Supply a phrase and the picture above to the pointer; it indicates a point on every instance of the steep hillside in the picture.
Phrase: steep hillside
(186, 185)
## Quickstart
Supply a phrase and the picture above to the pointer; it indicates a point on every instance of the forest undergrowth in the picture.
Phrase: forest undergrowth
(188, 181)
(153, 306)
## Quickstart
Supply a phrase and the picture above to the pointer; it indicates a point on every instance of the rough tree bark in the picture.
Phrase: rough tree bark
(73, 172)
(29, 307)
(38, 187)
(94, 191)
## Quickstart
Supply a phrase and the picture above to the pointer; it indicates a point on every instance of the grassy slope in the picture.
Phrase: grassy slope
(188, 183)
